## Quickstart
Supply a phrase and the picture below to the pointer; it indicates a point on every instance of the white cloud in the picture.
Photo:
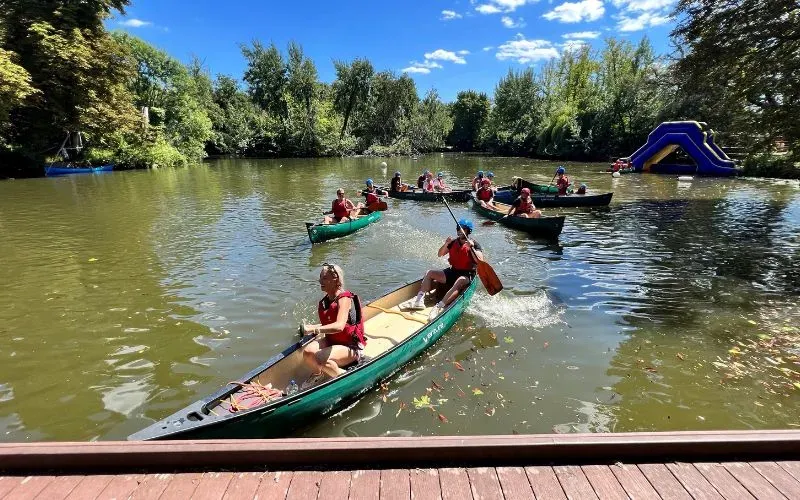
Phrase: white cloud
(424, 67)
(580, 35)
(643, 5)
(509, 22)
(463, 52)
(487, 48)
(135, 23)
(525, 51)
(416, 69)
(575, 12)
(497, 6)
(644, 20)
(573, 45)
(445, 55)
(447, 15)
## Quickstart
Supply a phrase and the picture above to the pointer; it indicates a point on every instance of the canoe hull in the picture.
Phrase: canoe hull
(288, 414)
(318, 233)
(419, 195)
(541, 200)
(57, 171)
(543, 227)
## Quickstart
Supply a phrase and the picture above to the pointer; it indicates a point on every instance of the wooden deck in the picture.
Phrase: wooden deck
(512, 467)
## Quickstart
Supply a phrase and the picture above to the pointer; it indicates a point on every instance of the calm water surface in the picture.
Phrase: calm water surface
(126, 296)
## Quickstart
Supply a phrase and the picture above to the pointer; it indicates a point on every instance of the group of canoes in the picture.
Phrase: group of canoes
(355, 345)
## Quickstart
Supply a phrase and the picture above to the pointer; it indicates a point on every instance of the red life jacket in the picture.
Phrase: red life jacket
(525, 207)
(563, 184)
(371, 197)
(459, 256)
(353, 332)
(485, 194)
(340, 208)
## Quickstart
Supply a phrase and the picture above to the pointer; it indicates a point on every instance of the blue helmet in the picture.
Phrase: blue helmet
(466, 224)
(397, 174)
(440, 174)
(560, 170)
(369, 182)
(426, 172)
(480, 173)
(583, 186)
(490, 174)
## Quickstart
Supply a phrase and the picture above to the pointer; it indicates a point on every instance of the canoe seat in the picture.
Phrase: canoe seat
(386, 330)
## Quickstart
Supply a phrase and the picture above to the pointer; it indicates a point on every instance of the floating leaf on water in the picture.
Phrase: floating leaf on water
(446, 376)
(735, 351)
(458, 366)
(493, 336)
(422, 402)
(443, 418)
(93, 259)
(651, 369)
(546, 345)
(490, 411)
(461, 393)
(751, 322)
(501, 377)
(436, 386)
(796, 385)
(441, 401)
(680, 356)
(476, 391)
(508, 340)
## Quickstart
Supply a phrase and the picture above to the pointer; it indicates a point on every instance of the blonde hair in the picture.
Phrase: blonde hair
(327, 268)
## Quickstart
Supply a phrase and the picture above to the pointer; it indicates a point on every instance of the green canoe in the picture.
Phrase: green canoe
(318, 233)
(394, 338)
(543, 227)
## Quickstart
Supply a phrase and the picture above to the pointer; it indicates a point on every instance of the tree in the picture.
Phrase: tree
(392, 102)
(749, 51)
(470, 112)
(303, 90)
(266, 78)
(351, 88)
(516, 113)
(430, 124)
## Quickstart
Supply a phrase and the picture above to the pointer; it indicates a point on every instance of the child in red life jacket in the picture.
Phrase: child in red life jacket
(341, 321)
(523, 206)
(485, 194)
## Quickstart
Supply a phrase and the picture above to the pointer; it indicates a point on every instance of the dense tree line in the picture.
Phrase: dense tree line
(61, 71)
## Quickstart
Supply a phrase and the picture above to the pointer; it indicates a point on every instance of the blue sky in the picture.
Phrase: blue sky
(449, 45)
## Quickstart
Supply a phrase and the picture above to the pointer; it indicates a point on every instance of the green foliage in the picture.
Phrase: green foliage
(351, 88)
(470, 112)
(266, 77)
(772, 165)
(517, 111)
(15, 84)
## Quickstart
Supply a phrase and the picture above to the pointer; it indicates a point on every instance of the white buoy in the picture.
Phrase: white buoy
(383, 164)
(686, 178)
(616, 174)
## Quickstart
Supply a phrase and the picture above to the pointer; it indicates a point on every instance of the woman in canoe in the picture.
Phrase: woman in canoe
(485, 195)
(372, 193)
(523, 206)
(439, 185)
(422, 178)
(428, 185)
(563, 181)
(456, 277)
(340, 319)
(340, 209)
(477, 182)
(397, 184)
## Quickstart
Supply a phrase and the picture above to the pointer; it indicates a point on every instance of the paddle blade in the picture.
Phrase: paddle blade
(489, 223)
(489, 278)
(378, 206)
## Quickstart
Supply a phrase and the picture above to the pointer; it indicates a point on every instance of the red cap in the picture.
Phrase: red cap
(526, 191)
(486, 181)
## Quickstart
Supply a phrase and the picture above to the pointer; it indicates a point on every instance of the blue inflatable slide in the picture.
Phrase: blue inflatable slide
(695, 138)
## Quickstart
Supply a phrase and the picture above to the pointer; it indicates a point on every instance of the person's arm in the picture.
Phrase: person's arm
(349, 204)
(444, 248)
(331, 210)
(476, 248)
(338, 325)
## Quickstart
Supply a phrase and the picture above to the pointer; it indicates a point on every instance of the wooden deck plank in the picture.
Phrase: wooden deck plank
(544, 482)
(274, 485)
(633, 482)
(243, 485)
(365, 484)
(213, 486)
(90, 487)
(181, 486)
(694, 482)
(753, 481)
(29, 487)
(59, 488)
(335, 485)
(395, 484)
(121, 487)
(425, 484)
(514, 483)
(8, 483)
(664, 482)
(722, 480)
(304, 485)
(455, 484)
(779, 478)
(151, 487)
(484, 483)
(604, 482)
(792, 467)
(574, 483)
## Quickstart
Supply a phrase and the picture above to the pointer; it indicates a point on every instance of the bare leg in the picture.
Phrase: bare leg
(536, 214)
(523, 215)
(328, 220)
(332, 358)
(451, 294)
(310, 354)
(430, 277)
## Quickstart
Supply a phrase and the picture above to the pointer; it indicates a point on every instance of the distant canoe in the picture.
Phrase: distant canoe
(543, 227)
(543, 197)
(420, 195)
(318, 233)
(55, 171)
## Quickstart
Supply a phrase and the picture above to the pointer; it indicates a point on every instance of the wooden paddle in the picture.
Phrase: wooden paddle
(485, 272)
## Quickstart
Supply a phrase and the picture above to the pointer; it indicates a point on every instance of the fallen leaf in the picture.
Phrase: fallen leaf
(546, 345)
(508, 340)
(422, 402)
(461, 393)
(458, 366)
(493, 336)
(436, 386)
(679, 356)
(796, 385)
(93, 259)
(651, 369)
(446, 376)
(443, 418)
(490, 411)
(476, 391)
(751, 322)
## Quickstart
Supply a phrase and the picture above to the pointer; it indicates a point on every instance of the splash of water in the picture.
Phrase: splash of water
(504, 310)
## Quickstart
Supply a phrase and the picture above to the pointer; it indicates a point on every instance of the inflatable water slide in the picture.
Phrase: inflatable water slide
(695, 138)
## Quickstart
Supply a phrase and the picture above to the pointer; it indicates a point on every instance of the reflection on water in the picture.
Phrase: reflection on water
(127, 296)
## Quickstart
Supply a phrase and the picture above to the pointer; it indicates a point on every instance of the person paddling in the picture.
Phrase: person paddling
(397, 184)
(341, 321)
(523, 206)
(372, 193)
(485, 195)
(456, 277)
(477, 181)
(340, 209)
(562, 182)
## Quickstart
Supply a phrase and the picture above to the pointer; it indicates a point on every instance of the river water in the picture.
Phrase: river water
(126, 296)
